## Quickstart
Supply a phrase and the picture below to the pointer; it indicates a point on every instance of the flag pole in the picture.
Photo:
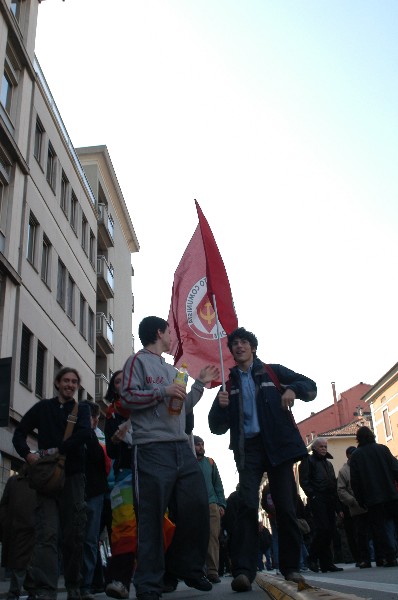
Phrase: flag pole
(219, 343)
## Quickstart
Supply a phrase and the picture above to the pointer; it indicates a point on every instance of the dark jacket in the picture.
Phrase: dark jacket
(17, 522)
(49, 417)
(121, 453)
(317, 476)
(374, 471)
(280, 435)
(95, 468)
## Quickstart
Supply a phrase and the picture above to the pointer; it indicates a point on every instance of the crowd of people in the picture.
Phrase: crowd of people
(147, 481)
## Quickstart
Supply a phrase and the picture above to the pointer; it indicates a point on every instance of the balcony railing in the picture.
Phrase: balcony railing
(104, 333)
(106, 221)
(106, 280)
(101, 386)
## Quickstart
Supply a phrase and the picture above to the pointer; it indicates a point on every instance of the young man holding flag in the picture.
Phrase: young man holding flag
(264, 437)
(166, 472)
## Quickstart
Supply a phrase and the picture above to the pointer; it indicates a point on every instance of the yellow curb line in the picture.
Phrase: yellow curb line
(279, 589)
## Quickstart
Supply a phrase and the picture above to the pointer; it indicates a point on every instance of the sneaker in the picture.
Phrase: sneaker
(241, 583)
(201, 583)
(117, 589)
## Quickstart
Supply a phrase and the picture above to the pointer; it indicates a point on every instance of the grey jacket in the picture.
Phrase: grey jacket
(345, 493)
(145, 377)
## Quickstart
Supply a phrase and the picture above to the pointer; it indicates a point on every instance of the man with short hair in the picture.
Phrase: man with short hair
(217, 506)
(59, 519)
(166, 472)
(264, 437)
(318, 480)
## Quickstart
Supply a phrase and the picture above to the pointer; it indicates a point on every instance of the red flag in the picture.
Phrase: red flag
(200, 274)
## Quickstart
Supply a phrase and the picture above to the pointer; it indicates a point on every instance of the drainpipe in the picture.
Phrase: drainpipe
(336, 410)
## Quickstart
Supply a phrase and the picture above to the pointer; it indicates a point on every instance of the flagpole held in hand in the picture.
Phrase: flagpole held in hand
(219, 343)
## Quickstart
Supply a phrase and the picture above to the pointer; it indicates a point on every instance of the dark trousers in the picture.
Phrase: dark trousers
(59, 521)
(244, 539)
(324, 522)
(167, 475)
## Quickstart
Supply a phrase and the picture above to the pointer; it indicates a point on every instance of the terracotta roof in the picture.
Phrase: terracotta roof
(349, 429)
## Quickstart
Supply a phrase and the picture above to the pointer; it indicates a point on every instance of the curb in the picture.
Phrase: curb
(279, 589)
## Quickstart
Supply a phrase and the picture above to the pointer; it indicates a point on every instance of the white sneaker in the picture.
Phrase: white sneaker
(116, 589)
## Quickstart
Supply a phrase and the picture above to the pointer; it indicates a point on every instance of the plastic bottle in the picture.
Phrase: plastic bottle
(175, 404)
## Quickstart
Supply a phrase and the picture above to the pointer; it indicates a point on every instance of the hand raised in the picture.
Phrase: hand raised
(209, 373)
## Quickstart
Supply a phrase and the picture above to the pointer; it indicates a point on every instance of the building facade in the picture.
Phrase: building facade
(382, 398)
(66, 240)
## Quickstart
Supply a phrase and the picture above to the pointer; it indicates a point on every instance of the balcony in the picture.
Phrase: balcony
(101, 387)
(104, 334)
(106, 227)
(105, 279)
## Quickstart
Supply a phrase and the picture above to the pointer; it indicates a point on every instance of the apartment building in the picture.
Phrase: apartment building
(66, 240)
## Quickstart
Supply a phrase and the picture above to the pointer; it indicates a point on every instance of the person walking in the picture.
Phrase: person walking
(217, 506)
(165, 470)
(264, 437)
(60, 519)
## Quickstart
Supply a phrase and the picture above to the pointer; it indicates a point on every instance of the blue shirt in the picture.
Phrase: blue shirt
(251, 425)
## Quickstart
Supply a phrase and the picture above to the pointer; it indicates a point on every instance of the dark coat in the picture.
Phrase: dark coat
(279, 432)
(17, 522)
(317, 476)
(374, 471)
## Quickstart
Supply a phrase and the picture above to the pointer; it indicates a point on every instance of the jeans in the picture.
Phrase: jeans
(90, 549)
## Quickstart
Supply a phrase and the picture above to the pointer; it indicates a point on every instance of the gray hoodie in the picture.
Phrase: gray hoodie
(145, 377)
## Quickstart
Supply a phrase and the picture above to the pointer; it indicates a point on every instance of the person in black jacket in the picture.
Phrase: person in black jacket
(264, 437)
(97, 464)
(318, 480)
(374, 480)
(60, 517)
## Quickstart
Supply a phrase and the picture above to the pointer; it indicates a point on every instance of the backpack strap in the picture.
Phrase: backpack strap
(72, 419)
(273, 377)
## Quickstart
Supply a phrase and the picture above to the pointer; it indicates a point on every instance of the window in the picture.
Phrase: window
(45, 260)
(92, 248)
(73, 212)
(51, 166)
(40, 362)
(57, 368)
(61, 283)
(84, 233)
(387, 424)
(33, 228)
(16, 8)
(82, 319)
(39, 133)
(6, 92)
(90, 328)
(64, 193)
(70, 298)
(9, 81)
(24, 364)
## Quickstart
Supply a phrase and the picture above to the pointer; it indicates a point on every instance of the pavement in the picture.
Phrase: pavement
(268, 586)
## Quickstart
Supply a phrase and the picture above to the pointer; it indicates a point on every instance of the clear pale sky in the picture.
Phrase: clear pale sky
(280, 117)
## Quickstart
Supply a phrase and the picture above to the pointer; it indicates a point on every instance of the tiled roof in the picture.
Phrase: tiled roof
(349, 429)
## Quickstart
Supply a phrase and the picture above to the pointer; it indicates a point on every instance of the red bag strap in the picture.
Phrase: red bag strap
(273, 377)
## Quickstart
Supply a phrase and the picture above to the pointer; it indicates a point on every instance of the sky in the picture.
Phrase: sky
(280, 117)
